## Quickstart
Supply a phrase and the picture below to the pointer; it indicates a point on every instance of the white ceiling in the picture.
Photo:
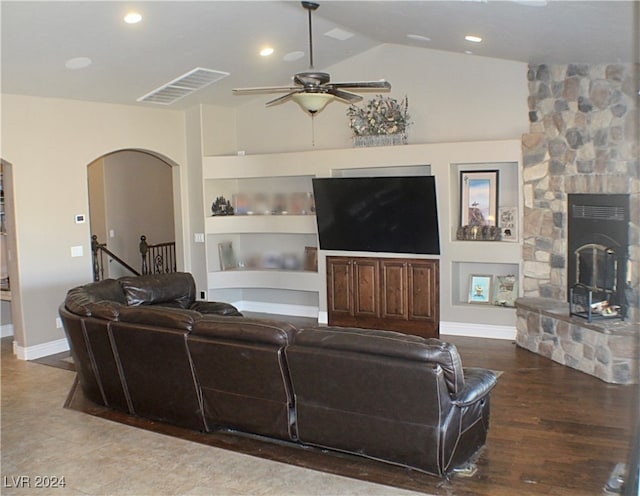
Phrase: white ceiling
(129, 61)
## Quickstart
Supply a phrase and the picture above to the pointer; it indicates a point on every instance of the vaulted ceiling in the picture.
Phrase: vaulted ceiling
(41, 39)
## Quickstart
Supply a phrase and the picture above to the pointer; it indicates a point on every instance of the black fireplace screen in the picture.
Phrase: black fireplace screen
(598, 247)
(597, 267)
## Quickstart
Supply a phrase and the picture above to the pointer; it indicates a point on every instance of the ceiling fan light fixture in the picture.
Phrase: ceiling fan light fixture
(312, 102)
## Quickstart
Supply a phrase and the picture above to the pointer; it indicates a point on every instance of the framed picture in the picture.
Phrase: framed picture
(505, 291)
(227, 257)
(508, 223)
(480, 288)
(479, 198)
(311, 258)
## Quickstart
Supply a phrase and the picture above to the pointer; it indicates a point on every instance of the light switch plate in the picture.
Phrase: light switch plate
(77, 251)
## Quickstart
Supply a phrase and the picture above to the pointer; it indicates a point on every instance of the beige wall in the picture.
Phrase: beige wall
(452, 97)
(50, 142)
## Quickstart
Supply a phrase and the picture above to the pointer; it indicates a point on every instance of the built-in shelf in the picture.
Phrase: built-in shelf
(272, 229)
(294, 280)
(238, 224)
(289, 173)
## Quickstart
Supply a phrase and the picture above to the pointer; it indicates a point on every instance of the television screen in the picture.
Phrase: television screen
(377, 214)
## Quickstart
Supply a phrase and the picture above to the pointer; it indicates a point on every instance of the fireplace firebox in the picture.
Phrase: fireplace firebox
(598, 247)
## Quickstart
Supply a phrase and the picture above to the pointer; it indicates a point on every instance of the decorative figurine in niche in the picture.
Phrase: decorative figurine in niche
(478, 233)
(221, 206)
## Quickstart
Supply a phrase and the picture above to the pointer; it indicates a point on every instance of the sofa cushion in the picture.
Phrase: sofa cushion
(172, 318)
(391, 344)
(97, 299)
(261, 331)
(173, 288)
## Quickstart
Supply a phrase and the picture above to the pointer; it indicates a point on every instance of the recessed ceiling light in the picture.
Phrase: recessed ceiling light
(292, 56)
(78, 63)
(132, 18)
(419, 37)
(473, 39)
(266, 51)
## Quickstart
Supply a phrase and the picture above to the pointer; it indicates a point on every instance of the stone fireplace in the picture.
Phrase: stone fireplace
(582, 141)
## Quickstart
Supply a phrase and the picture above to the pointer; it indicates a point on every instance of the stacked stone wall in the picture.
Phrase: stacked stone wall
(582, 139)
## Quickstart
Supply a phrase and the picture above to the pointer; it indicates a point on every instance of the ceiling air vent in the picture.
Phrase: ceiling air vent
(182, 86)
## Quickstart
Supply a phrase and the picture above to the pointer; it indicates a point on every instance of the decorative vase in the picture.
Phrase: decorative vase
(380, 139)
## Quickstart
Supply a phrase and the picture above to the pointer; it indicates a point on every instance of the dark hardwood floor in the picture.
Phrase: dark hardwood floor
(554, 431)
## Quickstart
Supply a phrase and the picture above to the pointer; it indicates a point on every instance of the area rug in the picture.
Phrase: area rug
(285, 452)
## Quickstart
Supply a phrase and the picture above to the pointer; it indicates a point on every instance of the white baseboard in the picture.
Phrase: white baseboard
(276, 308)
(477, 330)
(6, 330)
(323, 317)
(447, 328)
(40, 350)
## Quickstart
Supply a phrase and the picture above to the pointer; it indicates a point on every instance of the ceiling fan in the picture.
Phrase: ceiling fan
(314, 90)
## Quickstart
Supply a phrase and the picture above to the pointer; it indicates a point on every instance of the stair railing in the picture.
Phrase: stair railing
(159, 258)
(99, 250)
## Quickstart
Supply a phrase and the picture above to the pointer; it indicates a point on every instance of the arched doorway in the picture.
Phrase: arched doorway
(130, 194)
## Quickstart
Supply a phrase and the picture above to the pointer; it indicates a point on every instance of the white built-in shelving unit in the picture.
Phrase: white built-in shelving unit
(295, 291)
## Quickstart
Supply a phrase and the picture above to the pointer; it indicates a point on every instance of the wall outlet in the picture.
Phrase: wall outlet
(202, 295)
(58, 323)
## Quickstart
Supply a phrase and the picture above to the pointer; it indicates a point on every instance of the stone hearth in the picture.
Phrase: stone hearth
(606, 349)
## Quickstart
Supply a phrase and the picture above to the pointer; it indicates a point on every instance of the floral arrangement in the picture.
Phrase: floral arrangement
(379, 116)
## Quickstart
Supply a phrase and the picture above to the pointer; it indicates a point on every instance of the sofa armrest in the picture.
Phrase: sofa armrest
(215, 307)
(477, 384)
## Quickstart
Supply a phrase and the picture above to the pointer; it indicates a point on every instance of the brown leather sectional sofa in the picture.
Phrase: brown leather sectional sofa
(144, 346)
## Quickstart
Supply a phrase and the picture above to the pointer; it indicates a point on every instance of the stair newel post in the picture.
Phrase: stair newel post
(98, 266)
(144, 249)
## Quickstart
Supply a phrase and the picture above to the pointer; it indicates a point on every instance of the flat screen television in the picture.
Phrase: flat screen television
(377, 214)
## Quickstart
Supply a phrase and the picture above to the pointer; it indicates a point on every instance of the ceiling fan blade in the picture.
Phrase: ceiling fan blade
(263, 89)
(345, 96)
(283, 98)
(380, 85)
